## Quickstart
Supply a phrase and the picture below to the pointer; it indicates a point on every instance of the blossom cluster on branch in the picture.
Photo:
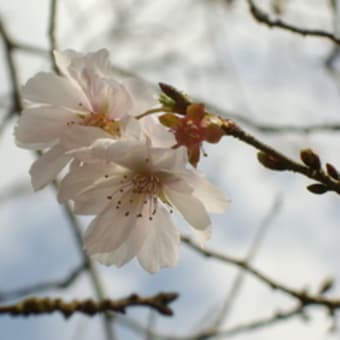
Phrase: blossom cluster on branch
(128, 162)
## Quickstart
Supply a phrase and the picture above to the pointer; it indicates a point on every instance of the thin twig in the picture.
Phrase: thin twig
(264, 18)
(214, 333)
(302, 296)
(52, 33)
(237, 283)
(12, 69)
(39, 306)
(44, 286)
(285, 163)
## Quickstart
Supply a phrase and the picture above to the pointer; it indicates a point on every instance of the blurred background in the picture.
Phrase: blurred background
(215, 51)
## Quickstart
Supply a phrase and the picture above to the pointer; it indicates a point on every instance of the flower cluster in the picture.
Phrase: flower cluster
(125, 167)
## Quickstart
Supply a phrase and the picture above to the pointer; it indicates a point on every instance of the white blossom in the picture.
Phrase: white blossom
(74, 109)
(133, 188)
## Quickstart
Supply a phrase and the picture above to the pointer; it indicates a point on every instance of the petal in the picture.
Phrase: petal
(160, 136)
(190, 208)
(209, 194)
(143, 95)
(160, 248)
(120, 103)
(79, 178)
(111, 228)
(78, 136)
(172, 160)
(47, 88)
(129, 248)
(47, 166)
(40, 126)
(203, 236)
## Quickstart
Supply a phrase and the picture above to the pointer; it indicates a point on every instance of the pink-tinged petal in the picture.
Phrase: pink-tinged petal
(209, 194)
(64, 59)
(142, 93)
(130, 247)
(159, 135)
(111, 228)
(190, 208)
(95, 197)
(160, 248)
(120, 101)
(78, 136)
(172, 160)
(202, 236)
(47, 88)
(47, 166)
(126, 153)
(41, 126)
(80, 177)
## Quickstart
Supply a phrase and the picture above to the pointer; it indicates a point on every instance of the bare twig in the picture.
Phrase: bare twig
(282, 161)
(237, 283)
(214, 333)
(38, 306)
(44, 286)
(12, 69)
(302, 296)
(264, 18)
(52, 33)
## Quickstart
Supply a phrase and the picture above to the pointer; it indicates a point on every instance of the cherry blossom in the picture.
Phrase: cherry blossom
(75, 108)
(133, 189)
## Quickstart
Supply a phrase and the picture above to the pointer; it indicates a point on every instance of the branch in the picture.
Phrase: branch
(52, 33)
(214, 333)
(236, 285)
(38, 306)
(264, 18)
(13, 75)
(302, 296)
(270, 128)
(59, 284)
(275, 160)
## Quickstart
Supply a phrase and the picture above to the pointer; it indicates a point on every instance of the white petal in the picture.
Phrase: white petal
(41, 126)
(142, 93)
(47, 88)
(190, 207)
(160, 248)
(173, 160)
(127, 153)
(203, 236)
(47, 166)
(77, 136)
(94, 198)
(159, 135)
(110, 229)
(130, 247)
(121, 102)
(209, 194)
(79, 178)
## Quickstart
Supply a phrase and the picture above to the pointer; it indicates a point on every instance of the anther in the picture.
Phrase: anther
(127, 213)
(109, 197)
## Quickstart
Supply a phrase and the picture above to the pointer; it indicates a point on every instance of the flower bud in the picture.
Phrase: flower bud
(271, 162)
(332, 172)
(311, 159)
(317, 188)
(180, 100)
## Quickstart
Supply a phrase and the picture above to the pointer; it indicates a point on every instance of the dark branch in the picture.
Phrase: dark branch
(39, 306)
(264, 18)
(44, 286)
(302, 296)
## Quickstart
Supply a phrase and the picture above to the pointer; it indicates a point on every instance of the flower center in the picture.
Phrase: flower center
(102, 121)
(146, 184)
(189, 133)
